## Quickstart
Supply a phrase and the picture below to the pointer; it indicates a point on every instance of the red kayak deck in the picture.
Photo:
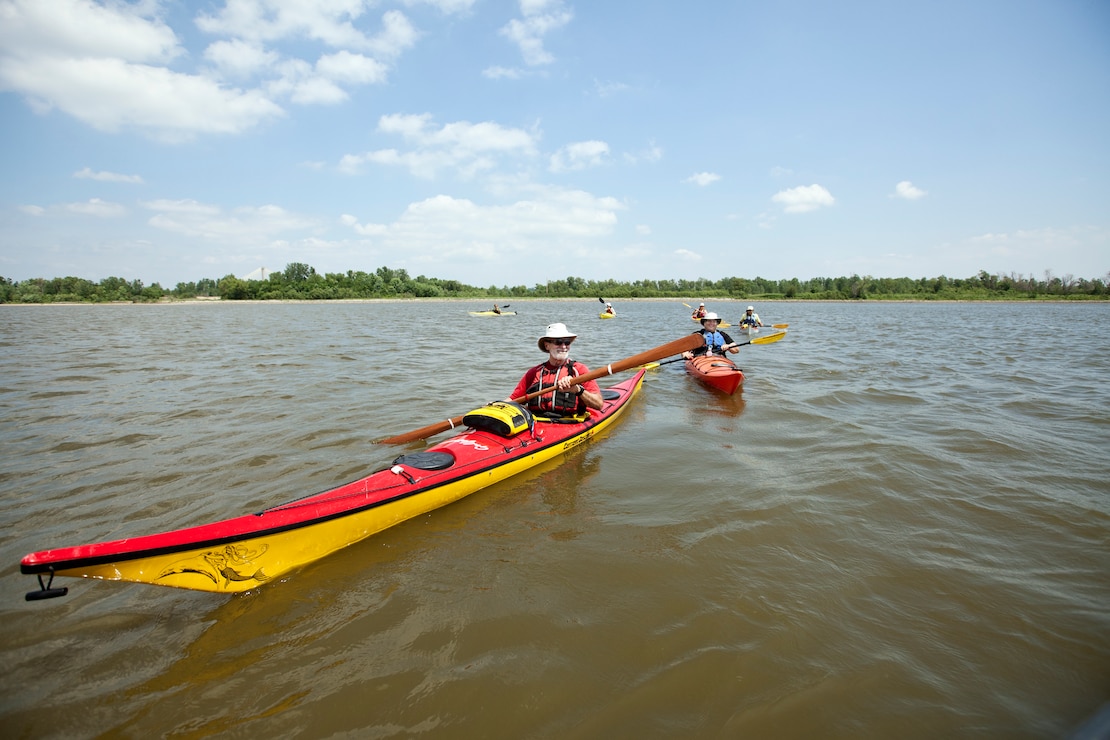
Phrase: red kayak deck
(716, 372)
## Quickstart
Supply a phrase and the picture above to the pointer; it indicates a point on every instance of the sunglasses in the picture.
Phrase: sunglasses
(561, 342)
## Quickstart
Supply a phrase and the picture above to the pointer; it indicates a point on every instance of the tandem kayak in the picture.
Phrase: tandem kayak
(492, 313)
(239, 554)
(716, 372)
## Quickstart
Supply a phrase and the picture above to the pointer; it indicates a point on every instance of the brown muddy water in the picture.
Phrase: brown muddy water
(899, 527)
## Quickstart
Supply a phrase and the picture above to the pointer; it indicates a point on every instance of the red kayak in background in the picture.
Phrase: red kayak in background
(716, 372)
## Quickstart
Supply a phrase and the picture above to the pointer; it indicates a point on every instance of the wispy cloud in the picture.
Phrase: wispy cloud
(608, 89)
(579, 156)
(108, 64)
(242, 226)
(468, 148)
(88, 174)
(97, 208)
(804, 198)
(907, 191)
(539, 18)
(445, 227)
(703, 178)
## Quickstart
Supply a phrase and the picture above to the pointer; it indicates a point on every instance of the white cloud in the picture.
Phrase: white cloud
(353, 68)
(31, 210)
(907, 191)
(804, 198)
(33, 29)
(445, 228)
(502, 73)
(397, 35)
(245, 225)
(687, 255)
(703, 178)
(468, 148)
(98, 208)
(643, 229)
(579, 156)
(329, 23)
(541, 17)
(109, 94)
(444, 6)
(302, 85)
(653, 153)
(363, 229)
(608, 89)
(88, 174)
(240, 59)
(107, 65)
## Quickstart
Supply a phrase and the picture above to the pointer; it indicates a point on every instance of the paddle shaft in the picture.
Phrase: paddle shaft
(758, 340)
(679, 359)
(690, 342)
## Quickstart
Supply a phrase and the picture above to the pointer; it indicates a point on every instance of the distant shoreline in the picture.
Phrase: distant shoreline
(478, 305)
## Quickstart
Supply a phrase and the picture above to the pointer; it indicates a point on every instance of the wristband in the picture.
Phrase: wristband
(581, 390)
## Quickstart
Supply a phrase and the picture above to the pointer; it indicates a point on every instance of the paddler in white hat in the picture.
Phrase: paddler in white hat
(716, 341)
(559, 372)
(750, 318)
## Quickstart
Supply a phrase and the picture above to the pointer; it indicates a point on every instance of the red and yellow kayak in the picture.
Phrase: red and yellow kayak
(716, 372)
(245, 552)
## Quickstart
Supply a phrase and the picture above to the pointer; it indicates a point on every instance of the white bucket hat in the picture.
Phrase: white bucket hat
(555, 331)
(751, 308)
(710, 317)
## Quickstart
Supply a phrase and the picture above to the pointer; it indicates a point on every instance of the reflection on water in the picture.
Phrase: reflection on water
(893, 530)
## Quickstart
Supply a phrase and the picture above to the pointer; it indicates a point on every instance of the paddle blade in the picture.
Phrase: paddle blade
(770, 338)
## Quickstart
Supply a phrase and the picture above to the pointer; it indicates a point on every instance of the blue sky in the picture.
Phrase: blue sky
(509, 143)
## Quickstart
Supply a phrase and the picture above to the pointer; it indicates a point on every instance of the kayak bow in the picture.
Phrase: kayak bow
(717, 372)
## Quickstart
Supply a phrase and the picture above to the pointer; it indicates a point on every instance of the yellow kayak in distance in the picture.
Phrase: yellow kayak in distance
(492, 313)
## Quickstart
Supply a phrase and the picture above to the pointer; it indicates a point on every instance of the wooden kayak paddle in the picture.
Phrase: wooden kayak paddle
(769, 339)
(678, 346)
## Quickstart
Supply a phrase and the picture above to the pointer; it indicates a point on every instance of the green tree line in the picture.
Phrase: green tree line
(299, 281)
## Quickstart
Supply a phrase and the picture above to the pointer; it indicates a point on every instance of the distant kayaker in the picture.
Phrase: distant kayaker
(609, 309)
(699, 312)
(496, 309)
(715, 340)
(750, 318)
(568, 399)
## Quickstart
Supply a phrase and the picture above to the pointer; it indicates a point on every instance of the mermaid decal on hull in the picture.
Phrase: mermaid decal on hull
(231, 564)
